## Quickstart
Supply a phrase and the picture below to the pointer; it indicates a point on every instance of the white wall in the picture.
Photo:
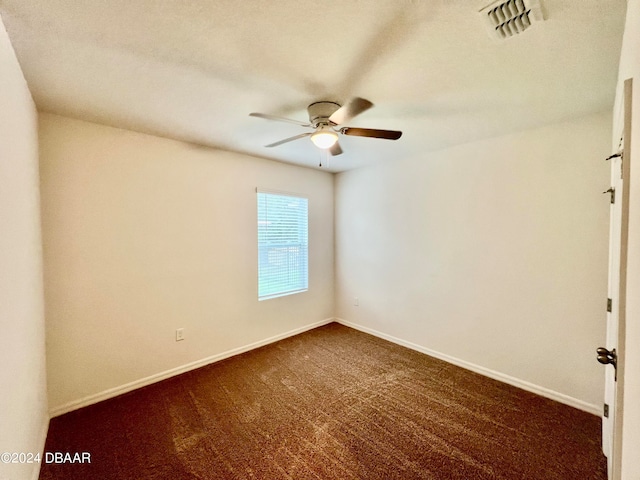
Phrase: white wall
(492, 254)
(143, 235)
(23, 401)
(630, 68)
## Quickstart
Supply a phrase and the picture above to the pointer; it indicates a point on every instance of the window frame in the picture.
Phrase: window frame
(294, 251)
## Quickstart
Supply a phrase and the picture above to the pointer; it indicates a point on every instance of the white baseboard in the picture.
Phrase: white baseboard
(516, 382)
(143, 382)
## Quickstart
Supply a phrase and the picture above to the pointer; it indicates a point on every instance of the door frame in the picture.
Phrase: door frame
(618, 407)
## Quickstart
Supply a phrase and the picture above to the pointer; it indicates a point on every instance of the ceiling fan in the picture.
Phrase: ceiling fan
(325, 119)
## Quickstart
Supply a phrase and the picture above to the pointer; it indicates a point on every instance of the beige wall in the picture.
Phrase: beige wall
(143, 235)
(491, 254)
(23, 397)
(630, 68)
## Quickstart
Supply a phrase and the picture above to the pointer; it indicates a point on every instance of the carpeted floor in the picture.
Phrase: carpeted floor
(332, 403)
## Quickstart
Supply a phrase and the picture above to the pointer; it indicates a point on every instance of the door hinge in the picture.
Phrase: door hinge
(609, 304)
(612, 191)
(606, 411)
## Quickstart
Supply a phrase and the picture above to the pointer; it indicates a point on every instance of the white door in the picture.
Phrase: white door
(612, 311)
(612, 354)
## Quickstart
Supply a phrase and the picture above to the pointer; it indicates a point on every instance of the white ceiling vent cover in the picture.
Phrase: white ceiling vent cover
(508, 18)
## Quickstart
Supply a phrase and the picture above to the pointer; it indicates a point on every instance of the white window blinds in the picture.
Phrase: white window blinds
(283, 245)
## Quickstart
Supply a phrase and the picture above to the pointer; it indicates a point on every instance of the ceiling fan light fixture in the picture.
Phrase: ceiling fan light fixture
(324, 137)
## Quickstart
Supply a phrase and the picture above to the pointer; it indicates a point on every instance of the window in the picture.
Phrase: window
(283, 245)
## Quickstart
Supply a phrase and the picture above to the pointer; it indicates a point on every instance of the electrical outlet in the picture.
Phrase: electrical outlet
(356, 301)
(179, 334)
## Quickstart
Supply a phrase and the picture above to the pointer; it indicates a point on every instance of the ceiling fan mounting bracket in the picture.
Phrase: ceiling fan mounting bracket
(319, 113)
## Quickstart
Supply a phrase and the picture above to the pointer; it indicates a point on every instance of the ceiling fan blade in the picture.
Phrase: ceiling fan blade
(370, 132)
(353, 107)
(335, 149)
(290, 139)
(279, 119)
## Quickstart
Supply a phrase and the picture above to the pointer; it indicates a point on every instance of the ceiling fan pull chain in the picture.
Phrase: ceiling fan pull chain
(323, 153)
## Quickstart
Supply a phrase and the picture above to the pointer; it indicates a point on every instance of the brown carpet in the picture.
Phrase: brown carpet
(332, 403)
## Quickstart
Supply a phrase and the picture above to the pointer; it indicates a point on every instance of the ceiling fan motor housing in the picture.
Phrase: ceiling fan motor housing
(319, 112)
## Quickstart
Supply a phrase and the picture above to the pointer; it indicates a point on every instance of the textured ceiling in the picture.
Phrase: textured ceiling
(194, 70)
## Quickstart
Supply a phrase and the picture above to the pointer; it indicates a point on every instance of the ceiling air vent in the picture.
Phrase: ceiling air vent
(508, 18)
